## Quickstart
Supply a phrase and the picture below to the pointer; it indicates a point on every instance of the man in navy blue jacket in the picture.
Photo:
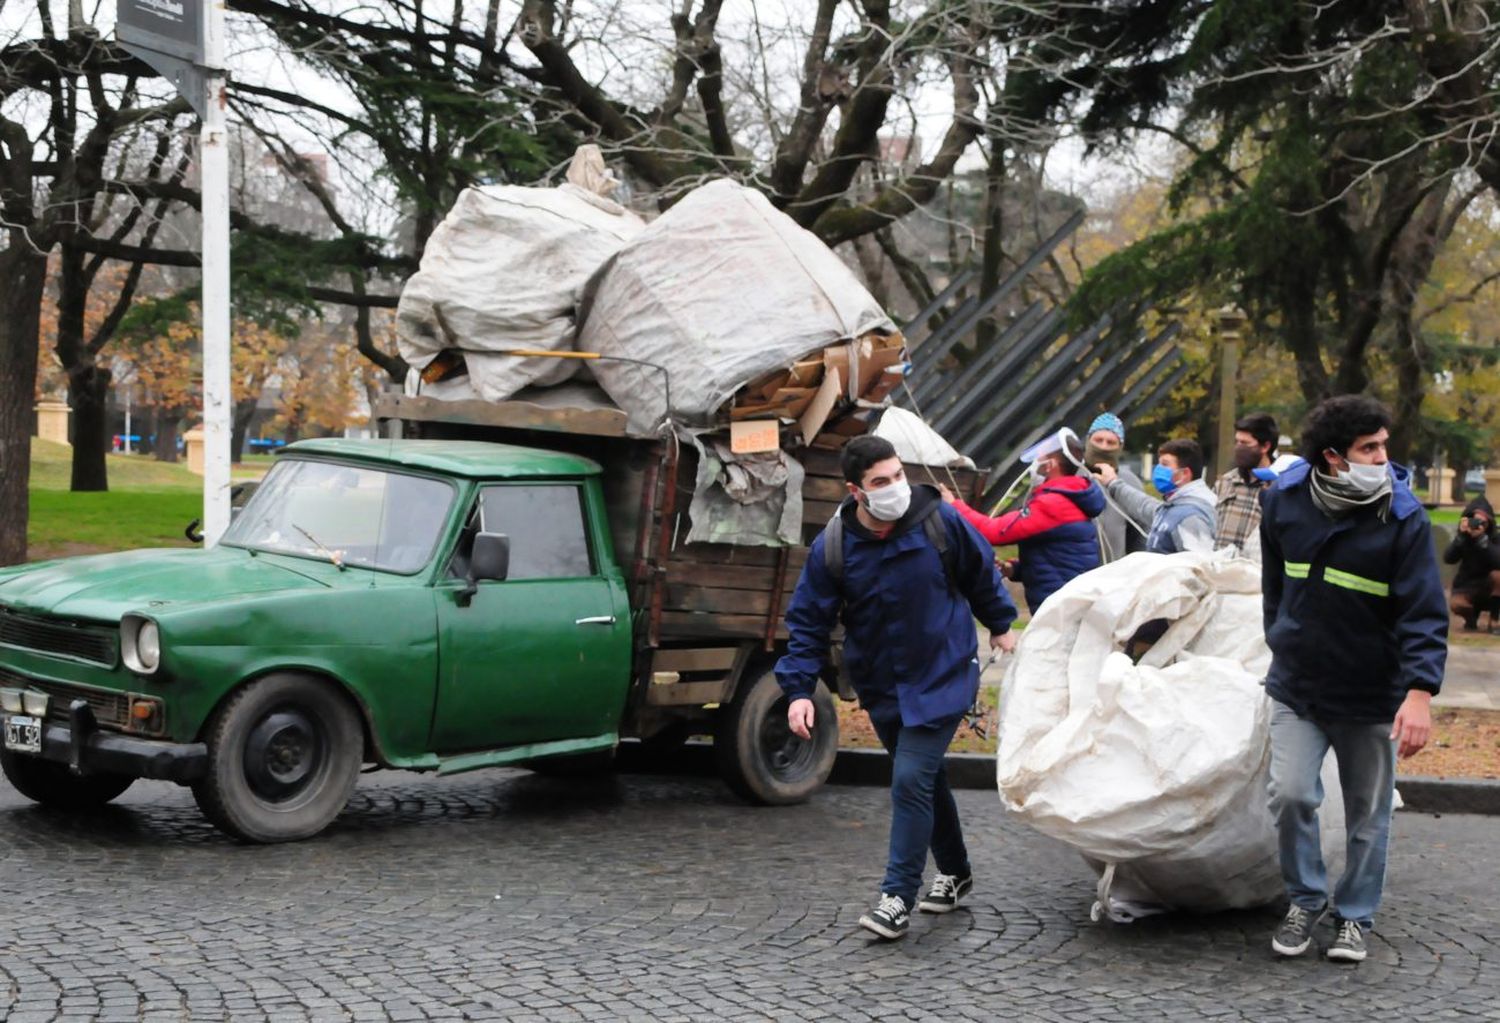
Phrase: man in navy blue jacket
(908, 612)
(1358, 630)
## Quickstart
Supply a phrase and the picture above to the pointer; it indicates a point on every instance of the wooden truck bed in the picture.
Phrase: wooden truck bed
(684, 594)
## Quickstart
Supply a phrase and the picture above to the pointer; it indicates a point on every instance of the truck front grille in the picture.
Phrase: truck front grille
(111, 709)
(60, 637)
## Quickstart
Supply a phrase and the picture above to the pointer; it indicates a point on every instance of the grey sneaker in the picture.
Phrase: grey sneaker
(1295, 932)
(889, 918)
(946, 892)
(1349, 946)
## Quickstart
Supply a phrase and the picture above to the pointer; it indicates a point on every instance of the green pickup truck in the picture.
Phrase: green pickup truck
(439, 604)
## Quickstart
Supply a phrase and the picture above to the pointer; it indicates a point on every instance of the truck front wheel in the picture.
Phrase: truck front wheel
(284, 753)
(757, 754)
(56, 785)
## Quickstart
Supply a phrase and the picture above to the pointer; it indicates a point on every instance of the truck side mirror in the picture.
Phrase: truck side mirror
(491, 556)
(489, 560)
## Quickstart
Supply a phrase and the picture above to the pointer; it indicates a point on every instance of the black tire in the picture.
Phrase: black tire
(757, 754)
(284, 753)
(53, 784)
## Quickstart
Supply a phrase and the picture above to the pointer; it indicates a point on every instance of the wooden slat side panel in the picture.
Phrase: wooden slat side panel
(717, 658)
(709, 626)
(686, 694)
(717, 601)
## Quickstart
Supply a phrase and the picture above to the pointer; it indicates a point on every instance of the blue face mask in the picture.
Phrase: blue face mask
(1265, 475)
(1161, 479)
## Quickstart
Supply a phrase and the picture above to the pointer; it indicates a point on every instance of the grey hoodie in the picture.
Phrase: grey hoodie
(1117, 537)
(1186, 521)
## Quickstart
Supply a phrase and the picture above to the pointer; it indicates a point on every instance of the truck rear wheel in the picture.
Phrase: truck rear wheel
(284, 753)
(53, 784)
(757, 754)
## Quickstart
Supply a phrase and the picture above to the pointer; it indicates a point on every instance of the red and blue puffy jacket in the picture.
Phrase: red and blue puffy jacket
(1053, 529)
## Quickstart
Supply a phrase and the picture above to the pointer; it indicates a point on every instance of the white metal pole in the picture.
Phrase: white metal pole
(128, 393)
(214, 161)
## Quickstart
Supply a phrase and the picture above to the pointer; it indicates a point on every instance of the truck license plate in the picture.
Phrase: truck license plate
(23, 734)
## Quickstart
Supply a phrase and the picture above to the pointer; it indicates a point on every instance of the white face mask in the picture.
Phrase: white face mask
(890, 502)
(1365, 478)
(1038, 471)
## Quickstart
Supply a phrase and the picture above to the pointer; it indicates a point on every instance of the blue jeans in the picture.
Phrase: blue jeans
(1367, 774)
(923, 813)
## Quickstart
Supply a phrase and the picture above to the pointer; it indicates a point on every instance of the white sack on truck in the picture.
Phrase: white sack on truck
(1156, 772)
(720, 289)
(505, 269)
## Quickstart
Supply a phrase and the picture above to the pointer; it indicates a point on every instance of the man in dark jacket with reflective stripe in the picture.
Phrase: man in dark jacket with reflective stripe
(910, 651)
(1358, 628)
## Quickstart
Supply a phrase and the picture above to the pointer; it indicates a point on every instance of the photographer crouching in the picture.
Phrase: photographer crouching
(1476, 551)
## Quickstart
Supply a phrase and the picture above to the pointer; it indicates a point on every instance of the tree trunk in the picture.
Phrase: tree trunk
(25, 275)
(994, 240)
(165, 445)
(88, 395)
(1410, 266)
(244, 414)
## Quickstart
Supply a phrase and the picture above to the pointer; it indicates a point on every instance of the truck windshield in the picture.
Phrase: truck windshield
(345, 514)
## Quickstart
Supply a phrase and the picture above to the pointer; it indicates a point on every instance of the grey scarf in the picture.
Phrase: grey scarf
(1336, 499)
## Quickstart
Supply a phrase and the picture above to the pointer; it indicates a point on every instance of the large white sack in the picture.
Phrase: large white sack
(720, 289)
(915, 442)
(1156, 769)
(505, 269)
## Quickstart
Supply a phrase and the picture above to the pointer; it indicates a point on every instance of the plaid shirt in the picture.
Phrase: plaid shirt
(1238, 510)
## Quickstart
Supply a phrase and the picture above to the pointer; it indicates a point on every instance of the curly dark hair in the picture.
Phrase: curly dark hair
(861, 453)
(1335, 423)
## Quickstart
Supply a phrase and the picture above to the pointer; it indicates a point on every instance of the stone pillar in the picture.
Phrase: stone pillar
(52, 421)
(193, 441)
(1491, 487)
(1440, 486)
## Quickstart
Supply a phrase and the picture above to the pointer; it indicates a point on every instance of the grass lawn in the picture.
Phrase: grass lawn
(149, 503)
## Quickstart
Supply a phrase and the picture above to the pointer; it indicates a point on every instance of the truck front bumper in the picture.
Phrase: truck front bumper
(82, 745)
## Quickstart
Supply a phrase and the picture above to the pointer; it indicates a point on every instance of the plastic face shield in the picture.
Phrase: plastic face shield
(1052, 444)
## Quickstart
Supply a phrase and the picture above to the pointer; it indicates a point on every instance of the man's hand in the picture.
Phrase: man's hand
(799, 718)
(1105, 474)
(1005, 642)
(1008, 569)
(1413, 725)
(948, 496)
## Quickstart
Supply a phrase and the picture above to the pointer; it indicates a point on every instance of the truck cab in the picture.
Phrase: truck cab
(430, 605)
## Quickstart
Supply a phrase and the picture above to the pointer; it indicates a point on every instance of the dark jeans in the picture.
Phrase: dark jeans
(923, 813)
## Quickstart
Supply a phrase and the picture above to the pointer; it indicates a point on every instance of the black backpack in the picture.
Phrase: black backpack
(932, 525)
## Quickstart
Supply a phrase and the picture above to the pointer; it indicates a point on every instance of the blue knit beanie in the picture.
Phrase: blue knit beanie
(1111, 422)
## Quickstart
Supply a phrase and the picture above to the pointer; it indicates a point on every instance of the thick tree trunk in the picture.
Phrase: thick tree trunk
(244, 413)
(994, 233)
(24, 274)
(88, 394)
(165, 445)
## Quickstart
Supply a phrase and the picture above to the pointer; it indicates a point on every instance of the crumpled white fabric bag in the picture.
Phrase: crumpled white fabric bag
(505, 269)
(1156, 772)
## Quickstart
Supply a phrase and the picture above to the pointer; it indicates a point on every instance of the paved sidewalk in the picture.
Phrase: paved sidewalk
(508, 896)
(1472, 679)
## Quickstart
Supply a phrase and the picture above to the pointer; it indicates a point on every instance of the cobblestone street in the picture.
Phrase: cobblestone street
(503, 895)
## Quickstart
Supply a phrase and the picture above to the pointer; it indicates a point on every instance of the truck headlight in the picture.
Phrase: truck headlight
(140, 644)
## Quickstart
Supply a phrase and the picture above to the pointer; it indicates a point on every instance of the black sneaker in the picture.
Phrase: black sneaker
(1296, 931)
(889, 918)
(1349, 946)
(946, 892)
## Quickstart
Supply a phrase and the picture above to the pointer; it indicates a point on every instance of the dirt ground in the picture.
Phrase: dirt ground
(1465, 743)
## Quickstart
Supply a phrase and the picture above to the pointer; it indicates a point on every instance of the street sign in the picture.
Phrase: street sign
(173, 27)
(169, 36)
